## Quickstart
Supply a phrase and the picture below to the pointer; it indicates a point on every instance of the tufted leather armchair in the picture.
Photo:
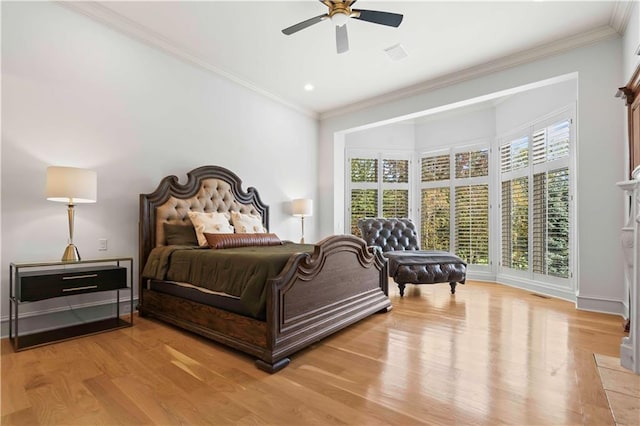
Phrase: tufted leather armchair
(389, 234)
(398, 240)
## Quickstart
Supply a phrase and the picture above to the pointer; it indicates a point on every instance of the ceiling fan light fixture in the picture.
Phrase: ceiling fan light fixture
(339, 19)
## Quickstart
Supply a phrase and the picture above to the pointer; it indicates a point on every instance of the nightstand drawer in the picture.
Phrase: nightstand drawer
(47, 284)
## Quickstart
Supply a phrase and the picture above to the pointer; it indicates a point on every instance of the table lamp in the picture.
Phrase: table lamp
(72, 186)
(302, 207)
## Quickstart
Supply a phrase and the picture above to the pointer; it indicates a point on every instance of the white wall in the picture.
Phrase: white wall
(518, 110)
(630, 44)
(76, 93)
(600, 162)
(399, 136)
(455, 129)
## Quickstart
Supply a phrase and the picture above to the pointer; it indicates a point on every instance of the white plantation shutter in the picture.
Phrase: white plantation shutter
(395, 171)
(515, 223)
(558, 140)
(379, 187)
(540, 146)
(460, 224)
(364, 203)
(364, 190)
(395, 184)
(514, 168)
(435, 220)
(551, 223)
(551, 226)
(435, 203)
(395, 203)
(472, 223)
(435, 168)
(539, 222)
(514, 155)
(470, 164)
(539, 191)
(558, 225)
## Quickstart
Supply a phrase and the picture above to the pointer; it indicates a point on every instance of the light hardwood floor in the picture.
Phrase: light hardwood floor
(488, 355)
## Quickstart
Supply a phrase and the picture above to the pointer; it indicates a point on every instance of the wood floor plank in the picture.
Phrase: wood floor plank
(488, 355)
(120, 408)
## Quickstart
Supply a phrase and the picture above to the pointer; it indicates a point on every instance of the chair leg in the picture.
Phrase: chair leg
(401, 288)
(453, 287)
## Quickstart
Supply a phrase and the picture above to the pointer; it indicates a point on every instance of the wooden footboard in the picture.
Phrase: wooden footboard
(316, 295)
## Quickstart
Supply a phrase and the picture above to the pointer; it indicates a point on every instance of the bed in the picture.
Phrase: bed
(321, 289)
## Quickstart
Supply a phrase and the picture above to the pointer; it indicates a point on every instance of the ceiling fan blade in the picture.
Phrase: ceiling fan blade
(342, 39)
(377, 17)
(304, 24)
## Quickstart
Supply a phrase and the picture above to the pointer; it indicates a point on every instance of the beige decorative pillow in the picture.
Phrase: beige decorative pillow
(213, 223)
(247, 223)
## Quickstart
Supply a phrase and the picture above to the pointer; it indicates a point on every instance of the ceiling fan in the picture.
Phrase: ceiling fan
(339, 12)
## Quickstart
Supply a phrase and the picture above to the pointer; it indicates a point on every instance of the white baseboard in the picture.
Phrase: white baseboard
(606, 306)
(537, 287)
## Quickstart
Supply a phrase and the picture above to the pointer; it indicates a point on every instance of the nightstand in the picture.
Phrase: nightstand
(34, 282)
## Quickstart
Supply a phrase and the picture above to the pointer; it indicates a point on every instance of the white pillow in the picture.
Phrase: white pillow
(247, 223)
(212, 223)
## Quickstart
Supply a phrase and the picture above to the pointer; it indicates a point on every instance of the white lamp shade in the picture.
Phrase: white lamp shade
(302, 207)
(71, 185)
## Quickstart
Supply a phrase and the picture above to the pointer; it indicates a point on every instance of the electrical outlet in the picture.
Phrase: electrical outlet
(102, 244)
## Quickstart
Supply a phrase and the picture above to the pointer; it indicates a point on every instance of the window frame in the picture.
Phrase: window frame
(452, 183)
(380, 185)
(569, 161)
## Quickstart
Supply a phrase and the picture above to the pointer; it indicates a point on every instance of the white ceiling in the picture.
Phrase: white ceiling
(242, 40)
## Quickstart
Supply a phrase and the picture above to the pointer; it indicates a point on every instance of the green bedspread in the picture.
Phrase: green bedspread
(240, 272)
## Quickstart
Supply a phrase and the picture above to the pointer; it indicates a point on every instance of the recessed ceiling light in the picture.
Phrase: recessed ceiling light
(308, 87)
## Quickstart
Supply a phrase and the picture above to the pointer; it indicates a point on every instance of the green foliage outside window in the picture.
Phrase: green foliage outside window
(364, 170)
(435, 223)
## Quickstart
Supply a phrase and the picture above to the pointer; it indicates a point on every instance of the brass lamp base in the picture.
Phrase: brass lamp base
(71, 254)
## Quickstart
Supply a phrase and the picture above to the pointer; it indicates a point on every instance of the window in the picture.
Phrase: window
(435, 173)
(528, 176)
(535, 200)
(455, 191)
(379, 187)
(472, 223)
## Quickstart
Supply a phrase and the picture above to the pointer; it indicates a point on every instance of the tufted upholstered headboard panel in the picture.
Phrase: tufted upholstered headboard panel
(389, 234)
(208, 189)
(214, 195)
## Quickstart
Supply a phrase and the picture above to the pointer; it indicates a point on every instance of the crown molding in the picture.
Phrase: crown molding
(620, 15)
(596, 35)
(141, 33)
